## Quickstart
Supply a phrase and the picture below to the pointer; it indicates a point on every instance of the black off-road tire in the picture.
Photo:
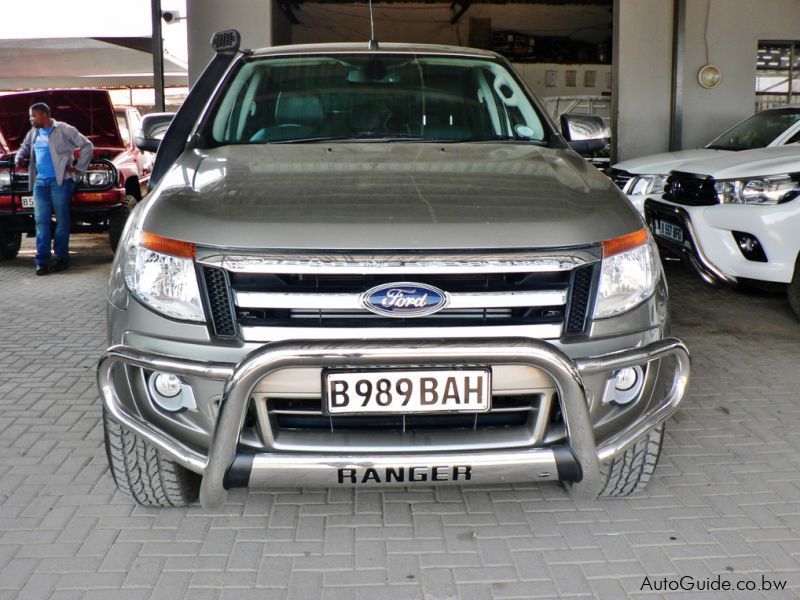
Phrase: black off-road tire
(117, 220)
(630, 473)
(793, 289)
(10, 242)
(143, 473)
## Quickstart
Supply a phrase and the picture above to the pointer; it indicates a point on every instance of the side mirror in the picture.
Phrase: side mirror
(586, 134)
(154, 126)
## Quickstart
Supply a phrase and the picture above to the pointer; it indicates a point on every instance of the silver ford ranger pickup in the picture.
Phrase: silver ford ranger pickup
(380, 266)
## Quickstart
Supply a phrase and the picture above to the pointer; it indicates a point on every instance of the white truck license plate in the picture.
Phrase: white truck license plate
(669, 231)
(27, 201)
(404, 391)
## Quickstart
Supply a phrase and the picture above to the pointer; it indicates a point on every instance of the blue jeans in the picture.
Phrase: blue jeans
(49, 197)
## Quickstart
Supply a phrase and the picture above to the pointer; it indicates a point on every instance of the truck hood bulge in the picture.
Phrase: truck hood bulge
(387, 196)
(774, 160)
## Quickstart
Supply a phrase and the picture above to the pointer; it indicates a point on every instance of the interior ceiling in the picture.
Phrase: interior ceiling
(82, 62)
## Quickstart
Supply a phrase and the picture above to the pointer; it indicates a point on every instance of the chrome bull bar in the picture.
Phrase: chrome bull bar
(577, 463)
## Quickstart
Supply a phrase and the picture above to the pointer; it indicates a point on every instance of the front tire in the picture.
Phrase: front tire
(10, 242)
(629, 473)
(118, 219)
(143, 473)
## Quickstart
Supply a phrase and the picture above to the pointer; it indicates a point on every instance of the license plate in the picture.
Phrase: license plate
(668, 230)
(27, 201)
(403, 391)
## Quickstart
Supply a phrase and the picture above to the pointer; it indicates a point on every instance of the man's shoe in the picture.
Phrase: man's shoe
(42, 269)
(59, 265)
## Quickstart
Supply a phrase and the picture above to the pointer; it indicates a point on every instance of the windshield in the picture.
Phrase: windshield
(362, 97)
(759, 131)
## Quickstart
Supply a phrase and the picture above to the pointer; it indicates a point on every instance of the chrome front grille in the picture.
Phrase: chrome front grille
(323, 316)
(690, 189)
(297, 424)
(267, 298)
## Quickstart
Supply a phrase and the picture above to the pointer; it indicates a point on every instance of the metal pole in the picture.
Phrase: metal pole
(676, 103)
(791, 72)
(158, 55)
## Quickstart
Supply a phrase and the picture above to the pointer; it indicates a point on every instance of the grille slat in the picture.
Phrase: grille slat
(306, 414)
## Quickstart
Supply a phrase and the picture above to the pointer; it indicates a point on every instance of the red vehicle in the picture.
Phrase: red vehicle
(104, 196)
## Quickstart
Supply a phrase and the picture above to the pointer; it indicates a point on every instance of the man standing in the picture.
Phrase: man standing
(50, 146)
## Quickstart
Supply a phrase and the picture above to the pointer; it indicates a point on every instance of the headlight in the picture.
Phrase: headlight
(628, 275)
(645, 184)
(160, 273)
(98, 178)
(5, 179)
(759, 190)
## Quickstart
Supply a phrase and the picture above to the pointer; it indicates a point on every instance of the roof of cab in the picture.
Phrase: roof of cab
(384, 48)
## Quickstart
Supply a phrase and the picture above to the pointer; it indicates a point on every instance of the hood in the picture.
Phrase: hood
(661, 164)
(399, 196)
(775, 160)
(89, 111)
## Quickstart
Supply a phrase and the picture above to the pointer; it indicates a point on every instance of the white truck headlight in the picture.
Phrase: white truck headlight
(775, 189)
(160, 272)
(629, 273)
(645, 184)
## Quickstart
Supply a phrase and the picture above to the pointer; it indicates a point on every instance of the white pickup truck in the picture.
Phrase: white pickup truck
(646, 176)
(734, 217)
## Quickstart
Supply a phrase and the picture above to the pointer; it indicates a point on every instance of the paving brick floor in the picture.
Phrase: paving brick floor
(725, 500)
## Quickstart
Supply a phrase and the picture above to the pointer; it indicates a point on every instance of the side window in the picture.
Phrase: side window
(122, 122)
(135, 122)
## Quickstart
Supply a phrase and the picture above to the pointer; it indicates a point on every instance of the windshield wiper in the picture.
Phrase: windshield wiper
(354, 138)
(406, 138)
(507, 139)
(327, 138)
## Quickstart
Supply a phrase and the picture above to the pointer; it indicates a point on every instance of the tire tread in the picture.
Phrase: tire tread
(143, 473)
(630, 473)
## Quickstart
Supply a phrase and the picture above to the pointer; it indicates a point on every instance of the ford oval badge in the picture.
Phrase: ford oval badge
(404, 300)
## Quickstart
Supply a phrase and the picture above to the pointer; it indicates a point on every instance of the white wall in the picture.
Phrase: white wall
(535, 75)
(642, 76)
(252, 18)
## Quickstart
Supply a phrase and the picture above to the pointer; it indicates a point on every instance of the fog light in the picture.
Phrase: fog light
(624, 386)
(169, 392)
(167, 384)
(625, 379)
(749, 246)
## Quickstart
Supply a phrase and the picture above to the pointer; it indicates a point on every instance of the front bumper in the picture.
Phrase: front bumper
(226, 466)
(690, 250)
(711, 247)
